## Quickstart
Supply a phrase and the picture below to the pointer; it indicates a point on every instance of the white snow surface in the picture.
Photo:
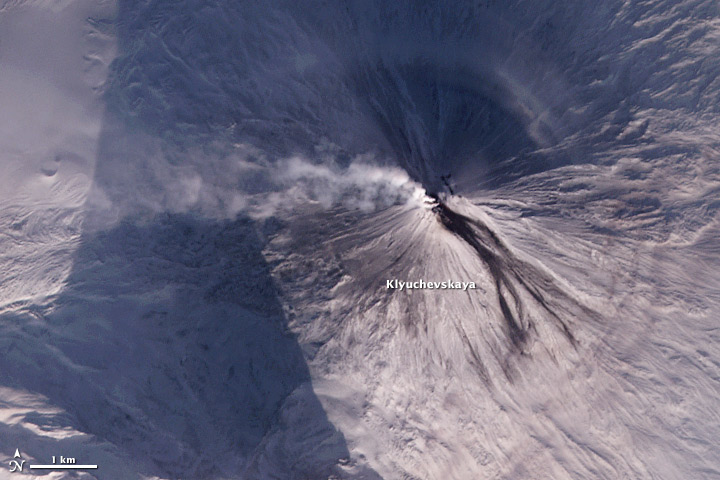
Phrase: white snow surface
(201, 202)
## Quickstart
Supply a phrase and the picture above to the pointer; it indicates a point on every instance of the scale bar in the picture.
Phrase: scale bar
(64, 467)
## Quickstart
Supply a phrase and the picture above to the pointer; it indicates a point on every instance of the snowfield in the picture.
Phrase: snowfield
(201, 204)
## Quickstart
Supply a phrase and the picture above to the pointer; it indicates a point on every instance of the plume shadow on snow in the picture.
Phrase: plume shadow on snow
(170, 344)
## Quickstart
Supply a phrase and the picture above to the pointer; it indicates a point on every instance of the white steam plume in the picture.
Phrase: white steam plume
(245, 182)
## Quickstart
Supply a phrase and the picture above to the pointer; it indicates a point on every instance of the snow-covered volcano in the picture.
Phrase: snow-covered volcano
(360, 239)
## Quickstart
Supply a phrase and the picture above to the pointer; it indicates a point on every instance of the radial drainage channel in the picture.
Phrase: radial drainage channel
(510, 275)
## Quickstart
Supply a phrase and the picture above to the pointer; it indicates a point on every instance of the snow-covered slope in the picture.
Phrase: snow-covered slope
(203, 203)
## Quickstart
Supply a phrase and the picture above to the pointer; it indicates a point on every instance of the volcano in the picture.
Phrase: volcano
(360, 239)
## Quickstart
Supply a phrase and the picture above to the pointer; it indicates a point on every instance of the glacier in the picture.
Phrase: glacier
(203, 204)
